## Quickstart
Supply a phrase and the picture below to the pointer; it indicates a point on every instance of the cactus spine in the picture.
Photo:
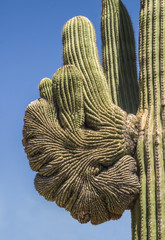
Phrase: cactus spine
(79, 136)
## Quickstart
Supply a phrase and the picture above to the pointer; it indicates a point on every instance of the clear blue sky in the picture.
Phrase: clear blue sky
(30, 49)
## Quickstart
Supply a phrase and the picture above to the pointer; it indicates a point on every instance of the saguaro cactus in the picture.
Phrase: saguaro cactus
(150, 223)
(93, 156)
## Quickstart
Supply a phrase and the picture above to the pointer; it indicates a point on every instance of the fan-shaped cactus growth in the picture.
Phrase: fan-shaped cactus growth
(78, 138)
(78, 141)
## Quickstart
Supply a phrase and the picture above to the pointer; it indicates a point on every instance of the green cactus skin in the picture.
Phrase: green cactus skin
(82, 144)
(119, 58)
(150, 223)
(79, 142)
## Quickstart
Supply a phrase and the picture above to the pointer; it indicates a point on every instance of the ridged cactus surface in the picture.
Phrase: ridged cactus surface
(149, 212)
(79, 142)
(119, 57)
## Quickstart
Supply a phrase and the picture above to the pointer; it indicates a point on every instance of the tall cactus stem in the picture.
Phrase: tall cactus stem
(151, 127)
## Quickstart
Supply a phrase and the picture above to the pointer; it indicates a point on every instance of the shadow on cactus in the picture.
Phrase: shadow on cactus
(81, 144)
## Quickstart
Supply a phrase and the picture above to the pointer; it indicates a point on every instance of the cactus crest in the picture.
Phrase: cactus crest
(79, 142)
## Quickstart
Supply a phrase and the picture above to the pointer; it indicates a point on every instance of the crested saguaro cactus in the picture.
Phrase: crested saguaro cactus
(92, 155)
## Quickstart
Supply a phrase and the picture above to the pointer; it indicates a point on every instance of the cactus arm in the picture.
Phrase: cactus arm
(127, 55)
(119, 58)
(45, 88)
(150, 224)
(110, 44)
(68, 92)
(79, 41)
(80, 49)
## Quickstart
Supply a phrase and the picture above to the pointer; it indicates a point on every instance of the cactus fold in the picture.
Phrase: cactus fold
(91, 154)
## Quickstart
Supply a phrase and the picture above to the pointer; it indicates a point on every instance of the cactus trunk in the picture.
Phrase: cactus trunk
(148, 215)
